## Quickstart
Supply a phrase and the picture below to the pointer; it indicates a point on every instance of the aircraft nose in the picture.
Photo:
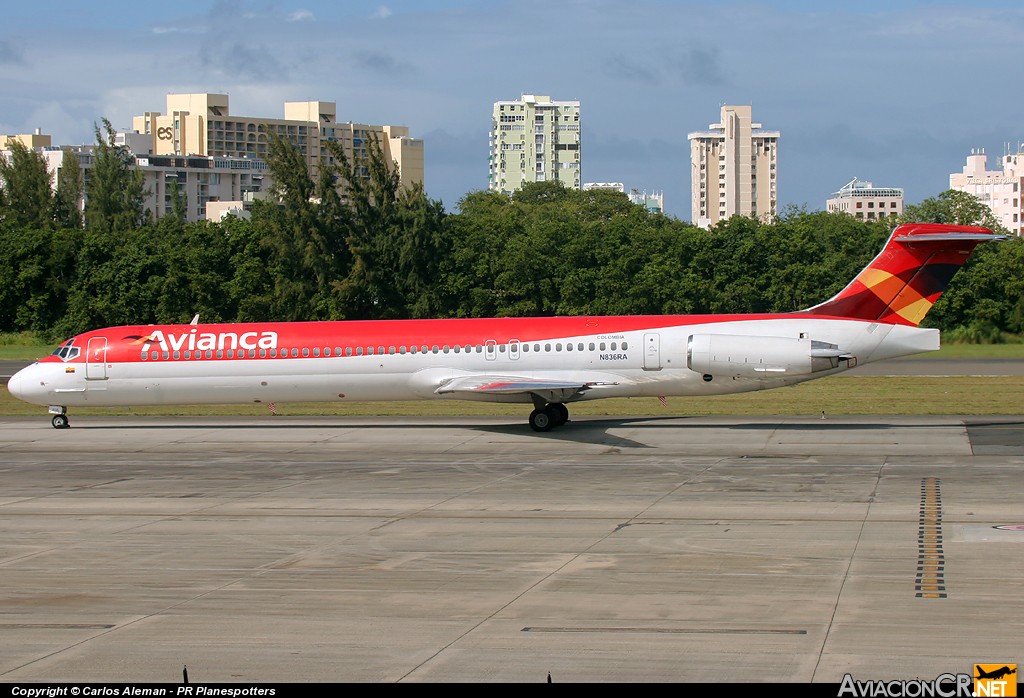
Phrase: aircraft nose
(16, 385)
(21, 383)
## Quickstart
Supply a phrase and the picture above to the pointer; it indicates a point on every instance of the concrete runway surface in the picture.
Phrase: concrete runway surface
(472, 549)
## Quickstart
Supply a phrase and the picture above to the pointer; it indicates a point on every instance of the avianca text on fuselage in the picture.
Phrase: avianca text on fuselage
(549, 362)
(208, 341)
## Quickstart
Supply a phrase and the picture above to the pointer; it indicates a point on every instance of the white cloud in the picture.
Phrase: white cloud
(301, 16)
(179, 30)
(383, 12)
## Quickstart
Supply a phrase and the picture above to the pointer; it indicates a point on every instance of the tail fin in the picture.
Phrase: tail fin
(902, 283)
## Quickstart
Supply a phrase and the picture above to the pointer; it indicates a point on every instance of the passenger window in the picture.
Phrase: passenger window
(435, 348)
(547, 347)
(380, 350)
(220, 353)
(568, 346)
(457, 348)
(623, 346)
(316, 351)
(252, 353)
(231, 353)
(591, 346)
(425, 349)
(602, 346)
(177, 355)
(273, 353)
(348, 351)
(501, 348)
(188, 354)
(479, 348)
(613, 346)
(209, 353)
(401, 349)
(445, 348)
(413, 349)
(558, 346)
(263, 353)
(580, 346)
(305, 352)
(526, 347)
(145, 356)
(165, 356)
(391, 350)
(295, 353)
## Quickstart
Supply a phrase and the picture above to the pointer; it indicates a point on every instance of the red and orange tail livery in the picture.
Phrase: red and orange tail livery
(903, 282)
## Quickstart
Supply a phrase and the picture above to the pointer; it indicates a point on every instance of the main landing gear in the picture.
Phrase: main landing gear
(60, 417)
(553, 414)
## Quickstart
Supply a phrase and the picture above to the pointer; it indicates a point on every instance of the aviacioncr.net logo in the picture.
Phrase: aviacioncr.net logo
(942, 686)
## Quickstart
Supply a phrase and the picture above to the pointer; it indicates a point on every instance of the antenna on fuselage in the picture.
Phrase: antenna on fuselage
(195, 319)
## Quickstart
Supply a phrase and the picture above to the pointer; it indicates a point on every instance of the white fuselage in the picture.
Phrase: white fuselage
(653, 363)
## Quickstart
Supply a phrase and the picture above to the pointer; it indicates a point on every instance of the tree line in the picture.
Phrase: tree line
(372, 249)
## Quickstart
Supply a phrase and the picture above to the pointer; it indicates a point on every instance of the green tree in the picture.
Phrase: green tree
(395, 238)
(27, 192)
(70, 189)
(299, 250)
(951, 206)
(115, 194)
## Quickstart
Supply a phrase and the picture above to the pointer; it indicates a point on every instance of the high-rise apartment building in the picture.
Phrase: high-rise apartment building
(733, 169)
(1002, 191)
(202, 124)
(534, 139)
(866, 201)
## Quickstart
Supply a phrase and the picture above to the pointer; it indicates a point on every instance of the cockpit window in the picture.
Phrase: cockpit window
(66, 351)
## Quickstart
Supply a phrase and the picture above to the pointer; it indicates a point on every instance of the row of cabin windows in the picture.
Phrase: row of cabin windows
(316, 352)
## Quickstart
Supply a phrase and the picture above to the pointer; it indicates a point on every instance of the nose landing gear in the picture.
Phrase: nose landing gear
(60, 417)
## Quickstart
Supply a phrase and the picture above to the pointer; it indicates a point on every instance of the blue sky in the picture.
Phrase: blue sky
(896, 93)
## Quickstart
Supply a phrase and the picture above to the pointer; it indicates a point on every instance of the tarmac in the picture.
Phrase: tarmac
(779, 549)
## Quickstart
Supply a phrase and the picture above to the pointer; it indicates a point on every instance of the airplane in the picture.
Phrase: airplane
(548, 362)
(995, 674)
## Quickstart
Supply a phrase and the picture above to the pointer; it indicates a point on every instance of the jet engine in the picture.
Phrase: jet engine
(760, 357)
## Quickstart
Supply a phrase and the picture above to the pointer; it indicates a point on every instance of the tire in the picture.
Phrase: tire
(561, 413)
(541, 420)
(60, 421)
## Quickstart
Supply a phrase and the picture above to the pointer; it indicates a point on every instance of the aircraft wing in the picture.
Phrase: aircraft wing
(548, 389)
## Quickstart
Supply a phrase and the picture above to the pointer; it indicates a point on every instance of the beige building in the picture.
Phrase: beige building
(202, 124)
(866, 201)
(534, 139)
(29, 140)
(1000, 190)
(212, 186)
(733, 168)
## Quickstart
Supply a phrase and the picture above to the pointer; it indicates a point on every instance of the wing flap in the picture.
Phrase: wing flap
(549, 389)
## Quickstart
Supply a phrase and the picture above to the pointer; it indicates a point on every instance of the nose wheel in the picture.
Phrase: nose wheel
(60, 421)
(546, 418)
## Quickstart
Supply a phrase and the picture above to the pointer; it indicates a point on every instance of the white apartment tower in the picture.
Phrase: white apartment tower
(534, 139)
(733, 169)
(1002, 191)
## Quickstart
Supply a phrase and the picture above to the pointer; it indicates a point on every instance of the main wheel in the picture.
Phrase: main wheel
(561, 413)
(541, 420)
(60, 421)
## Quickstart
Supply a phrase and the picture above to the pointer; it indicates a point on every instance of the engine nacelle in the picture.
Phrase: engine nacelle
(760, 357)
